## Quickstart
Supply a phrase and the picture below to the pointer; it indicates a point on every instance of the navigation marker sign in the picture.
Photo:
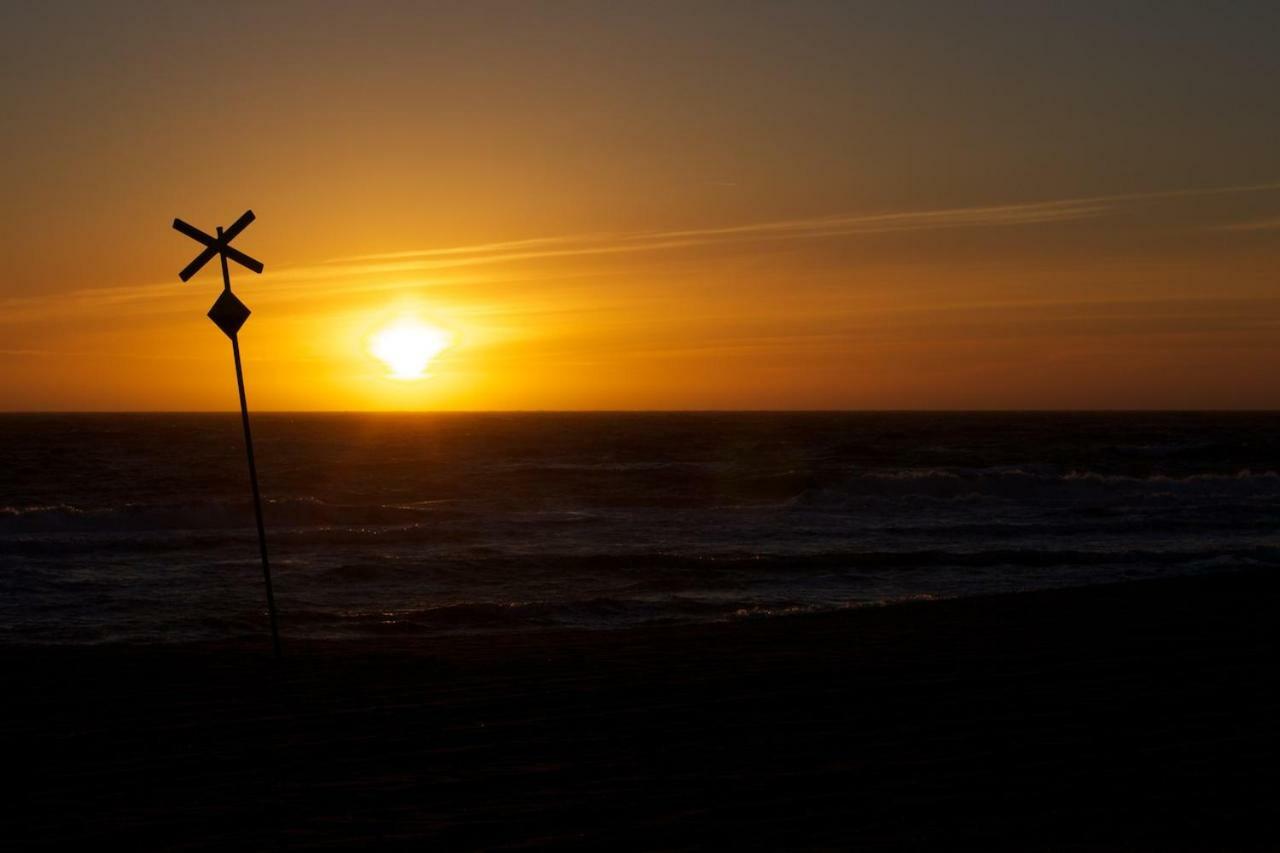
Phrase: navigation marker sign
(229, 314)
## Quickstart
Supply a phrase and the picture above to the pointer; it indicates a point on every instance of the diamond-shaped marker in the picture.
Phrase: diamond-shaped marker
(229, 313)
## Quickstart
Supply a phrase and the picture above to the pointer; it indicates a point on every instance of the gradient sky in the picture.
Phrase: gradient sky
(717, 205)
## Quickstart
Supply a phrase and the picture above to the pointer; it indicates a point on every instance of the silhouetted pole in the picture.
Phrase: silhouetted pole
(229, 314)
(253, 471)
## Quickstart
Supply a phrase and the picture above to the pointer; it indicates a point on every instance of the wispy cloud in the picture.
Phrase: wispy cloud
(793, 229)
(389, 271)
(1252, 225)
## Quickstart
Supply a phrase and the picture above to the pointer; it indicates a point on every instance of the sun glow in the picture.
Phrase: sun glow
(407, 347)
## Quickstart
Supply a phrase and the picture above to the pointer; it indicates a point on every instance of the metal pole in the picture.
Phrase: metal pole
(253, 472)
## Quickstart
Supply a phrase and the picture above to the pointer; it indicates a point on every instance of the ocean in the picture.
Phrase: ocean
(138, 528)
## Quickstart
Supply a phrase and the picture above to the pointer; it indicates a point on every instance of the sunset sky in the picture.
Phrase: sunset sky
(675, 206)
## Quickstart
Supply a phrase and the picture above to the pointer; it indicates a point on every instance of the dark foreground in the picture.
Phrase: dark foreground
(1138, 716)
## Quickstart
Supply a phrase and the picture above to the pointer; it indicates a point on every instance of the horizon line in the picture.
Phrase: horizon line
(673, 411)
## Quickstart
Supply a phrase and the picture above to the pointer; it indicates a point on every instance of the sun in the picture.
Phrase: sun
(407, 346)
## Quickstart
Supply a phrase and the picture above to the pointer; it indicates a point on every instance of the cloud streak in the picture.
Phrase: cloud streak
(349, 275)
(795, 229)
(1253, 225)
(1028, 213)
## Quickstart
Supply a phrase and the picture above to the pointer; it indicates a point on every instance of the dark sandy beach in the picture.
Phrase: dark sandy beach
(1130, 716)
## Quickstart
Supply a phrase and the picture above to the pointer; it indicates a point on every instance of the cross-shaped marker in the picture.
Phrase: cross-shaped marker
(217, 245)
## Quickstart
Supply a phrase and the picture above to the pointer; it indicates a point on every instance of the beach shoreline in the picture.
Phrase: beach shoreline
(1127, 716)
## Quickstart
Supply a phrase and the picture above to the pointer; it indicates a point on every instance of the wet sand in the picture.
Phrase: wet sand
(1131, 716)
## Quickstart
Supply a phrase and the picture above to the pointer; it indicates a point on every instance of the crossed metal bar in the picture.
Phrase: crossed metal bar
(215, 246)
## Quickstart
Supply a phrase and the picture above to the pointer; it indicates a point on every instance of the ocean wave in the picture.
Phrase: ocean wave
(211, 514)
(659, 572)
(1037, 484)
(601, 467)
(595, 612)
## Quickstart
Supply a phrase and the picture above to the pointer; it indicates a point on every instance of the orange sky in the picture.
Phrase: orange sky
(799, 206)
